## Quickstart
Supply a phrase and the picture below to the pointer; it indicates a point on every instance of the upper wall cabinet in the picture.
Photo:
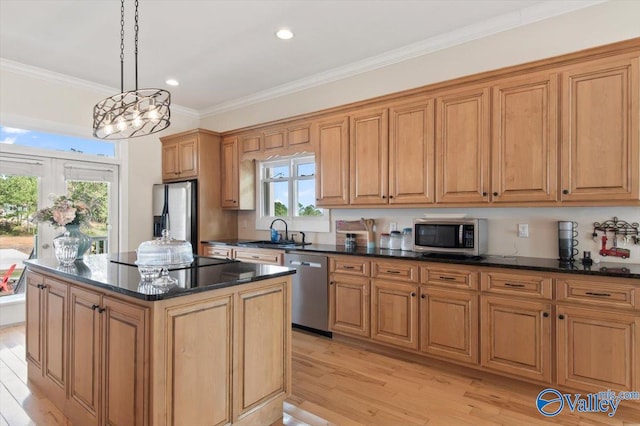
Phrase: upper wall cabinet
(368, 160)
(180, 157)
(332, 161)
(411, 152)
(524, 139)
(462, 146)
(237, 176)
(284, 139)
(600, 115)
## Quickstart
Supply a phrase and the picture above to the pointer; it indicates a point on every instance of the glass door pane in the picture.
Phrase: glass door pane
(97, 196)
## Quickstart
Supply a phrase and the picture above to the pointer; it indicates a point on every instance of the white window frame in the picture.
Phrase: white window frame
(294, 223)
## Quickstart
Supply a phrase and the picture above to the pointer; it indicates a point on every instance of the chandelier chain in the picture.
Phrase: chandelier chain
(136, 42)
(121, 46)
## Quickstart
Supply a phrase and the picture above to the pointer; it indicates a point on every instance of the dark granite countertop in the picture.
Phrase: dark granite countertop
(118, 273)
(609, 269)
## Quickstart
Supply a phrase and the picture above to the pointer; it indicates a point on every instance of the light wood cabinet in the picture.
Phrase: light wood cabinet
(462, 145)
(449, 324)
(524, 139)
(516, 337)
(368, 159)
(180, 158)
(349, 304)
(332, 162)
(237, 177)
(597, 349)
(600, 130)
(286, 140)
(411, 152)
(219, 252)
(47, 334)
(251, 144)
(394, 313)
(254, 255)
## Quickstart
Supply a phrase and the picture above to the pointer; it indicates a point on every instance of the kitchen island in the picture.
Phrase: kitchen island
(107, 348)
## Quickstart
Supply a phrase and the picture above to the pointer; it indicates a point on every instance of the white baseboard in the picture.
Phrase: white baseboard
(12, 310)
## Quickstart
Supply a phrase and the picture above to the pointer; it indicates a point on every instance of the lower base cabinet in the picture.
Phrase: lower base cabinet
(449, 324)
(516, 337)
(394, 313)
(349, 303)
(597, 350)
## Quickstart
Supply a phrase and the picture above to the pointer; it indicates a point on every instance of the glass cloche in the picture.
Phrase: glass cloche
(159, 255)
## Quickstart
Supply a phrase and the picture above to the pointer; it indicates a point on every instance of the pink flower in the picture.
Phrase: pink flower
(64, 216)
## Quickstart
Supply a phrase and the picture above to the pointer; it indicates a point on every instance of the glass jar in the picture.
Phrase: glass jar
(384, 241)
(350, 241)
(407, 240)
(395, 240)
(66, 249)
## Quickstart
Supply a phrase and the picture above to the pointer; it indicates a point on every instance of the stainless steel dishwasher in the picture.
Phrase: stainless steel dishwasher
(310, 293)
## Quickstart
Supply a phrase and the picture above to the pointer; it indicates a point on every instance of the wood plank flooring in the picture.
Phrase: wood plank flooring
(338, 384)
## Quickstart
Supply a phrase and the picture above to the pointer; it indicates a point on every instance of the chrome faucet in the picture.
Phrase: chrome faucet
(286, 228)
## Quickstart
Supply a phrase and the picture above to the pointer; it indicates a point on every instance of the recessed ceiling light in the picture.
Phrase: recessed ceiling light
(284, 34)
(172, 82)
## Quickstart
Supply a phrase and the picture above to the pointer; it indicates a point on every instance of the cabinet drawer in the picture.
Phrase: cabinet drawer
(351, 266)
(270, 257)
(598, 292)
(224, 252)
(516, 284)
(451, 278)
(398, 271)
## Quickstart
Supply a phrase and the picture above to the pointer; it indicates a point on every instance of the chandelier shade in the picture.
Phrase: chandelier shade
(134, 113)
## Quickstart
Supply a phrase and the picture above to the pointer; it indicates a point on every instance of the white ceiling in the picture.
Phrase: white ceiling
(224, 52)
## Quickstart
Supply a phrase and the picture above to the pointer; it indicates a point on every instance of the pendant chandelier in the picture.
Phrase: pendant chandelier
(139, 112)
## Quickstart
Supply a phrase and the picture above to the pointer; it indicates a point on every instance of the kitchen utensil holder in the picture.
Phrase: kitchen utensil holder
(628, 231)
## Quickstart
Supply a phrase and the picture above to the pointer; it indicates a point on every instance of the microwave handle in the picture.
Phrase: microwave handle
(460, 234)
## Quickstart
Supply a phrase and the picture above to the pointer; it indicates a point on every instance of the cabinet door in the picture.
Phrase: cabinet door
(35, 319)
(170, 161)
(188, 158)
(263, 336)
(55, 337)
(274, 140)
(368, 160)
(524, 139)
(349, 305)
(299, 137)
(230, 172)
(462, 146)
(251, 144)
(600, 107)
(449, 324)
(598, 349)
(84, 355)
(394, 313)
(199, 335)
(517, 337)
(411, 153)
(332, 162)
(125, 363)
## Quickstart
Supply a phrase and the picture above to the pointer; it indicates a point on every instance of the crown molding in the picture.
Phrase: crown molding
(463, 35)
(74, 82)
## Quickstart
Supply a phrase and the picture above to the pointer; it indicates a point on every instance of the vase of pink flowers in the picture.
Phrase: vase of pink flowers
(70, 213)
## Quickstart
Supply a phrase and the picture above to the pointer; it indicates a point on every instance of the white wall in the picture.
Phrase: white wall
(40, 103)
(601, 24)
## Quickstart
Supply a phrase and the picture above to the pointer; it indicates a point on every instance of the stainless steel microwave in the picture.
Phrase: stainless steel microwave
(456, 236)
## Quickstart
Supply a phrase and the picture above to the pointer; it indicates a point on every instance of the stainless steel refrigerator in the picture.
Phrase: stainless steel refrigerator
(175, 208)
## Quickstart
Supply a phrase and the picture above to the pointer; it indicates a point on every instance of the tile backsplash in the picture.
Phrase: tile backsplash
(503, 227)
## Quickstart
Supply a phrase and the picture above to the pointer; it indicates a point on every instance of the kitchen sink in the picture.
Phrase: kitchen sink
(268, 243)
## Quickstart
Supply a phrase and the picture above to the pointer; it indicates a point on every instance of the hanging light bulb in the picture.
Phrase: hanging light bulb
(133, 121)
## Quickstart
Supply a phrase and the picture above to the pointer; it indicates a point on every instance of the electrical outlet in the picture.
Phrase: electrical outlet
(393, 226)
(523, 230)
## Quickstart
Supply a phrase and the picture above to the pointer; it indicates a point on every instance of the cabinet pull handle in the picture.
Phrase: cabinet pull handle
(413, 294)
(390, 271)
(513, 285)
(348, 267)
(40, 286)
(101, 310)
(561, 316)
(545, 314)
(447, 278)
(94, 307)
(591, 293)
(255, 257)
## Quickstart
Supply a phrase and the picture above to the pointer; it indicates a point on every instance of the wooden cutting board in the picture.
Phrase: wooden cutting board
(351, 227)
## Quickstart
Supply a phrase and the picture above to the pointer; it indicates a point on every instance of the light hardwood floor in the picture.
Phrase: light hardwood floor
(337, 384)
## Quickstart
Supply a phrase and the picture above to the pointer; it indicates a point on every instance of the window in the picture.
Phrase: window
(288, 191)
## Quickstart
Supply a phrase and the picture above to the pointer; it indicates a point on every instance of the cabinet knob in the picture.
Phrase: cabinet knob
(423, 296)
(413, 294)
(390, 196)
(234, 201)
(495, 194)
(565, 191)
(330, 282)
(94, 307)
(101, 310)
(484, 194)
(40, 286)
(560, 316)
(384, 196)
(545, 314)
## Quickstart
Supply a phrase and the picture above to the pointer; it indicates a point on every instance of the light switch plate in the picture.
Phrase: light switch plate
(523, 230)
